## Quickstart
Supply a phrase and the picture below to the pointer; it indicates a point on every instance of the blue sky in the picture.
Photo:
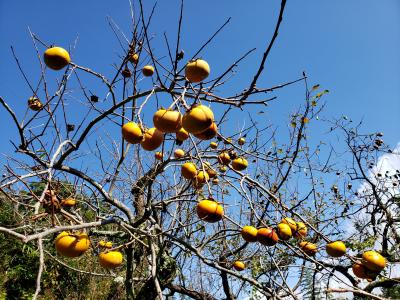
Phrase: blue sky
(349, 47)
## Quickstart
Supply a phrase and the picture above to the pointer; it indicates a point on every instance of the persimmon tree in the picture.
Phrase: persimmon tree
(177, 204)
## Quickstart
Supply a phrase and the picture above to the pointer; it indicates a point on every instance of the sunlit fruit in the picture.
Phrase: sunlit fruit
(198, 119)
(239, 164)
(213, 145)
(363, 272)
(197, 70)
(179, 153)
(35, 104)
(239, 265)
(309, 248)
(223, 169)
(241, 141)
(132, 133)
(373, 261)
(301, 230)
(110, 259)
(105, 244)
(284, 231)
(182, 134)
(224, 158)
(134, 58)
(200, 179)
(267, 236)
(292, 224)
(215, 181)
(152, 139)
(336, 249)
(209, 211)
(209, 133)
(168, 121)
(189, 170)
(72, 244)
(159, 155)
(249, 233)
(69, 202)
(56, 58)
(148, 71)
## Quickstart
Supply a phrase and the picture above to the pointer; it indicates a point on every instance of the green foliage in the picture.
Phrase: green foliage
(64, 188)
(366, 243)
(20, 268)
(20, 263)
(392, 292)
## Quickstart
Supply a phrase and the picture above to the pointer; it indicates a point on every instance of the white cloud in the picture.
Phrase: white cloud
(381, 175)
(386, 166)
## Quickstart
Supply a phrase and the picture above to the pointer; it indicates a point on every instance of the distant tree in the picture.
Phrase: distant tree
(391, 292)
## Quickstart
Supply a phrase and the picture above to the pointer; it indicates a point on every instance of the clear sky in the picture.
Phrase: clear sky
(349, 47)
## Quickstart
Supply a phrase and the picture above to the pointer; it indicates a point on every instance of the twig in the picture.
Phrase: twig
(266, 53)
(41, 267)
